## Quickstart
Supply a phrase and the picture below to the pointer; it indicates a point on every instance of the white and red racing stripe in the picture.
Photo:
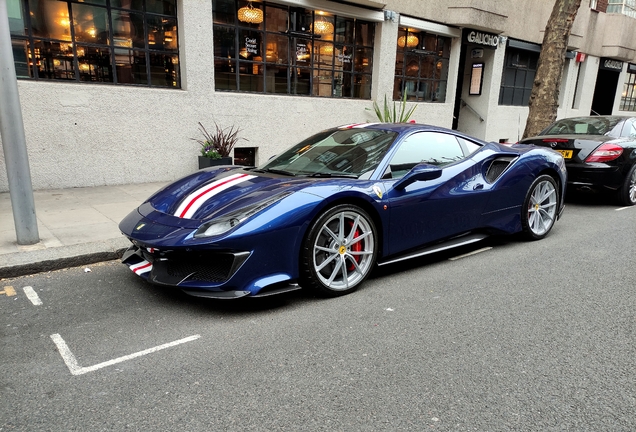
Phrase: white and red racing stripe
(357, 125)
(141, 267)
(196, 199)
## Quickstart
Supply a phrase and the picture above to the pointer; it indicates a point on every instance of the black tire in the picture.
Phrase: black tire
(339, 251)
(540, 208)
(627, 193)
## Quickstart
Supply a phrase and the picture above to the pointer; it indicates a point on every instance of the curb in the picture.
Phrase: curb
(38, 261)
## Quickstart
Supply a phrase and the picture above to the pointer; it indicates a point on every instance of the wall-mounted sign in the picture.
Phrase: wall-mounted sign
(580, 57)
(477, 53)
(631, 67)
(476, 79)
(487, 40)
(611, 64)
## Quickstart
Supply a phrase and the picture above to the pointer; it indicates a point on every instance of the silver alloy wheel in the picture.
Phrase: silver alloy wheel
(631, 191)
(542, 207)
(343, 250)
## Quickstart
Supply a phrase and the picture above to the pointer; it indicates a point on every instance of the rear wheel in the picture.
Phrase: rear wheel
(339, 251)
(627, 192)
(540, 208)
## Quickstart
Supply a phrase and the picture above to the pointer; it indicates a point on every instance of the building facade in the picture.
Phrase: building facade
(112, 91)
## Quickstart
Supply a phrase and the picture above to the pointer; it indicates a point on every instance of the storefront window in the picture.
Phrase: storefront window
(421, 69)
(268, 48)
(628, 98)
(116, 41)
(518, 77)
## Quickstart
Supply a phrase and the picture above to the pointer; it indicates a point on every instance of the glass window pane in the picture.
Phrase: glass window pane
(364, 60)
(224, 74)
(301, 19)
(164, 70)
(94, 64)
(90, 24)
(224, 42)
(302, 48)
(162, 33)
(362, 86)
(21, 59)
(251, 77)
(323, 80)
(347, 85)
(343, 59)
(16, 17)
(128, 4)
(276, 78)
(323, 27)
(53, 60)
(300, 81)
(344, 30)
(323, 54)
(277, 18)
(276, 50)
(128, 29)
(50, 19)
(223, 11)
(250, 14)
(250, 45)
(165, 7)
(130, 66)
(365, 32)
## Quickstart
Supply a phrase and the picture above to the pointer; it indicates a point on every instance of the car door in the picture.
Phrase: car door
(426, 211)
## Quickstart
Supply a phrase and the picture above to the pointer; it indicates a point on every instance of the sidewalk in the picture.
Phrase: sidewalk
(77, 226)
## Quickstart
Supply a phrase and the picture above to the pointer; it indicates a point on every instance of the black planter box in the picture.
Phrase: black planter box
(205, 162)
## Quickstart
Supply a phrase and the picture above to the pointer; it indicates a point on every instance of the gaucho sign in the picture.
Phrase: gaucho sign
(481, 38)
(611, 64)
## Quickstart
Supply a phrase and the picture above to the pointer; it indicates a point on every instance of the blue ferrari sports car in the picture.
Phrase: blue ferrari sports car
(322, 214)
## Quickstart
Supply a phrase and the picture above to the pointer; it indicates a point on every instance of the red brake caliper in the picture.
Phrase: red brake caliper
(356, 247)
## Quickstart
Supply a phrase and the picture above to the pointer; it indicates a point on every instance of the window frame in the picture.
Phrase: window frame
(405, 55)
(529, 72)
(46, 55)
(628, 101)
(343, 56)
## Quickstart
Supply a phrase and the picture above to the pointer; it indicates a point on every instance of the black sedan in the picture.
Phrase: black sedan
(599, 152)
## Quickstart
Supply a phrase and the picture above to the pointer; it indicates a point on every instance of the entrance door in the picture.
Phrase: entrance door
(604, 92)
(460, 85)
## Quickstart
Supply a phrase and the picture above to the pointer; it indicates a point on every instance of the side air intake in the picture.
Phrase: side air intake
(497, 168)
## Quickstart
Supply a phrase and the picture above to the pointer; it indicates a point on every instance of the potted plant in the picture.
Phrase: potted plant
(216, 146)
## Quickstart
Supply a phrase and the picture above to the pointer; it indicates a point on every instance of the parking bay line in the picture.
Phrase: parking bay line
(470, 253)
(32, 295)
(76, 369)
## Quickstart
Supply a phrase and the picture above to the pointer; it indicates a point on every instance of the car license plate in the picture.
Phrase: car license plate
(567, 154)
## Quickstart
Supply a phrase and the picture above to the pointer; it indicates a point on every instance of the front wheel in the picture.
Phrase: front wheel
(627, 192)
(540, 208)
(339, 251)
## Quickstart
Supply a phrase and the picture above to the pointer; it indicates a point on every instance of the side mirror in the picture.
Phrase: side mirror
(421, 172)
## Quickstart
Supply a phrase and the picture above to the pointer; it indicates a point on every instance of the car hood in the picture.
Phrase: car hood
(208, 194)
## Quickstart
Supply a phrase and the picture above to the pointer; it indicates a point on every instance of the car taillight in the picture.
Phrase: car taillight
(605, 153)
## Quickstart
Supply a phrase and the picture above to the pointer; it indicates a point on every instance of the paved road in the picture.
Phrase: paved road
(524, 336)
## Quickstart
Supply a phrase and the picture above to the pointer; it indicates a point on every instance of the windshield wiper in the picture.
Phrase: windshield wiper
(275, 171)
(321, 174)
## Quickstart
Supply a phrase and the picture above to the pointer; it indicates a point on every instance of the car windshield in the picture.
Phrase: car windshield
(351, 153)
(586, 126)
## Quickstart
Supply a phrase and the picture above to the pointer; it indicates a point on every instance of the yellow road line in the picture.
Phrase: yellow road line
(8, 291)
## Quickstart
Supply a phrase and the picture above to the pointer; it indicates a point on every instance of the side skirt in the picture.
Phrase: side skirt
(449, 244)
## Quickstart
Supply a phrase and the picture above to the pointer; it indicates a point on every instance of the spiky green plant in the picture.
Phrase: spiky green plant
(388, 114)
(219, 143)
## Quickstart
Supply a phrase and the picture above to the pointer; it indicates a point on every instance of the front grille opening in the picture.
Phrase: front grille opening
(215, 268)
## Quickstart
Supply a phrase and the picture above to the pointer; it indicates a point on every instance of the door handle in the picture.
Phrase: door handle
(478, 186)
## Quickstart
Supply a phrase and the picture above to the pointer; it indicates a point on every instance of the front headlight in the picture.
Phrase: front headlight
(225, 223)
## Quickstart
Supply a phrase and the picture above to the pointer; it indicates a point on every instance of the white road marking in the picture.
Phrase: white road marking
(624, 208)
(32, 295)
(76, 369)
(470, 253)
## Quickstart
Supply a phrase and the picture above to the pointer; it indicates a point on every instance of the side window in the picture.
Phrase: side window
(433, 148)
(470, 146)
